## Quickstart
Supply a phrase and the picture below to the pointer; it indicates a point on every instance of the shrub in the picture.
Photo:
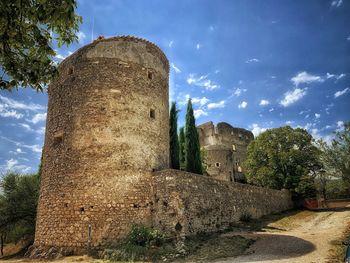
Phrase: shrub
(144, 236)
(245, 217)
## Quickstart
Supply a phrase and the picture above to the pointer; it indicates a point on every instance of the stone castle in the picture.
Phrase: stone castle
(106, 156)
(225, 150)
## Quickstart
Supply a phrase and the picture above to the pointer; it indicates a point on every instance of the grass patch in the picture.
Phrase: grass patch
(214, 246)
(337, 252)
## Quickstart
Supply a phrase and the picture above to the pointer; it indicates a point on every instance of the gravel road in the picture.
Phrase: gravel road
(305, 241)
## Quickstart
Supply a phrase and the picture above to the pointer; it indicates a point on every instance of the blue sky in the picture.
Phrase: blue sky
(254, 64)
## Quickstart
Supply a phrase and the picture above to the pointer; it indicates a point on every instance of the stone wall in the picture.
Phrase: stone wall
(226, 150)
(107, 129)
(187, 203)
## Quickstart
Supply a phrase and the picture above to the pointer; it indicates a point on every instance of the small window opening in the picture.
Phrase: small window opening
(165, 203)
(178, 226)
(152, 114)
(82, 209)
(70, 71)
(217, 164)
(150, 75)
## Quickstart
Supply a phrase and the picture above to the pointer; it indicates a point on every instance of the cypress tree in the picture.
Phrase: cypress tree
(182, 147)
(192, 150)
(174, 141)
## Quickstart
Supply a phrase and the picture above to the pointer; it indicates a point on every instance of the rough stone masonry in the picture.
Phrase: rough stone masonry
(106, 156)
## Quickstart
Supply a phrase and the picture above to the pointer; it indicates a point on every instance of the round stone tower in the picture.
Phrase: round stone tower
(107, 130)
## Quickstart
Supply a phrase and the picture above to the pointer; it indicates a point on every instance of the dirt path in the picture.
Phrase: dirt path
(305, 237)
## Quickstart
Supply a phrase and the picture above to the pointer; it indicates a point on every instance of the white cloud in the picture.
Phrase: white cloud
(7, 113)
(340, 125)
(26, 126)
(171, 43)
(199, 112)
(35, 148)
(38, 117)
(337, 77)
(317, 115)
(198, 46)
(340, 92)
(271, 110)
(289, 122)
(177, 70)
(264, 102)
(182, 99)
(337, 3)
(304, 77)
(41, 130)
(348, 38)
(60, 56)
(81, 36)
(216, 105)
(202, 81)
(243, 105)
(201, 101)
(211, 28)
(252, 60)
(13, 165)
(256, 130)
(293, 96)
(18, 105)
(238, 91)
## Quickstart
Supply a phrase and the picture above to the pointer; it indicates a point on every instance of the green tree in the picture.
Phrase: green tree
(174, 140)
(182, 148)
(18, 202)
(283, 158)
(193, 156)
(26, 31)
(336, 155)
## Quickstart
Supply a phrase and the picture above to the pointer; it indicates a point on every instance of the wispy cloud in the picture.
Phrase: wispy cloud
(8, 113)
(304, 77)
(317, 115)
(216, 105)
(198, 46)
(18, 105)
(38, 117)
(171, 43)
(202, 81)
(177, 70)
(243, 105)
(292, 96)
(35, 148)
(336, 3)
(335, 76)
(264, 103)
(238, 92)
(198, 113)
(252, 60)
(340, 92)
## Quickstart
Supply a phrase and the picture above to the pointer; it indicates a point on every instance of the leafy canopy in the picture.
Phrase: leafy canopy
(18, 202)
(336, 155)
(27, 28)
(283, 158)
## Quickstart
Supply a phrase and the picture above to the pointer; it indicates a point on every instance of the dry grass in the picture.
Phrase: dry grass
(337, 252)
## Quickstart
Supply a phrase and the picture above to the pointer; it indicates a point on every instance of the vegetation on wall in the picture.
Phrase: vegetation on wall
(26, 31)
(174, 140)
(192, 148)
(18, 202)
(283, 158)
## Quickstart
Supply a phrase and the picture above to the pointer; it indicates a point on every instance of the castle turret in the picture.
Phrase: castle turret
(107, 130)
